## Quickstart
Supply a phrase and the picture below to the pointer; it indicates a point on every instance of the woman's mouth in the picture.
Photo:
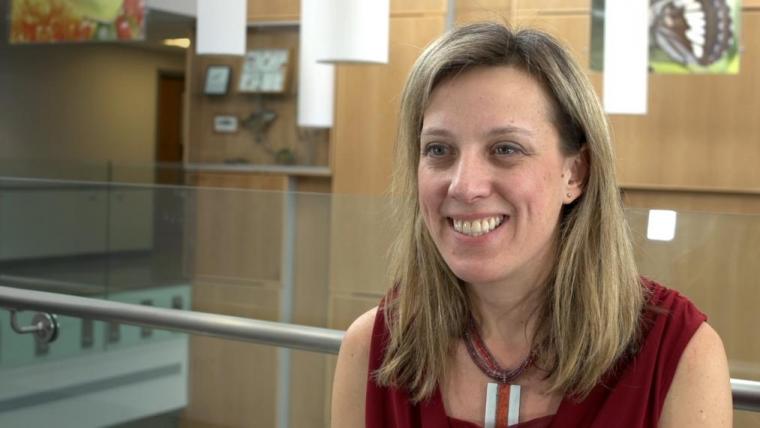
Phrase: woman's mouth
(477, 227)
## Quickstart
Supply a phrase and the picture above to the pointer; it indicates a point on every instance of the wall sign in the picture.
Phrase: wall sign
(265, 71)
(217, 79)
(225, 124)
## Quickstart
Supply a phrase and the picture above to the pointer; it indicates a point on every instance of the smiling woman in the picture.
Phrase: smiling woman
(515, 297)
(493, 155)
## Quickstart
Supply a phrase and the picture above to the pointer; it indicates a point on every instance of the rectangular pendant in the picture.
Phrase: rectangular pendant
(491, 402)
(502, 405)
(514, 405)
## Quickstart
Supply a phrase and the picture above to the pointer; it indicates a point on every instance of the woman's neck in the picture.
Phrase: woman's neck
(506, 313)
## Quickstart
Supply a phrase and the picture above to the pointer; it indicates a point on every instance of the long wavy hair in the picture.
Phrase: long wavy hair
(588, 316)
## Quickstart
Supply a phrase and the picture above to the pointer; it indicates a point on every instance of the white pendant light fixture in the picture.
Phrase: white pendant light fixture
(316, 82)
(354, 31)
(626, 56)
(221, 27)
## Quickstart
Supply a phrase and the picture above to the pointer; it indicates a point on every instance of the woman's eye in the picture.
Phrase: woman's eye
(505, 149)
(436, 150)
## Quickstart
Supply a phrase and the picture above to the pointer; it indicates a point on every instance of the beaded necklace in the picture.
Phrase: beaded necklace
(502, 407)
(485, 361)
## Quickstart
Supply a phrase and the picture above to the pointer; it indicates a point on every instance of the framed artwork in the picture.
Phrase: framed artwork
(685, 37)
(53, 21)
(217, 80)
(265, 71)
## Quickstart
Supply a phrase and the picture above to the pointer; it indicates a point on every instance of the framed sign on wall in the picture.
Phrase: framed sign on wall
(217, 79)
(265, 71)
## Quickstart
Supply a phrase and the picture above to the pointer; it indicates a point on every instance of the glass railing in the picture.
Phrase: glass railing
(304, 258)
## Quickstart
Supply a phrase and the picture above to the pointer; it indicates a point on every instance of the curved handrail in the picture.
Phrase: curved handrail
(746, 393)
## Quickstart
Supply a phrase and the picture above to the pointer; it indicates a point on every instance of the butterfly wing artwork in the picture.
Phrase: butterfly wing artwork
(685, 36)
(692, 32)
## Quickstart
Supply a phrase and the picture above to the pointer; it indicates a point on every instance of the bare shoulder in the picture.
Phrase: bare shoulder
(700, 395)
(350, 382)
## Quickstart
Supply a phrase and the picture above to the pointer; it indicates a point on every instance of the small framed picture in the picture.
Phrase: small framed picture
(217, 79)
(225, 124)
(265, 71)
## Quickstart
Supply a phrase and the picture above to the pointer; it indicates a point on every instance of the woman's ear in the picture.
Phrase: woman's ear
(576, 175)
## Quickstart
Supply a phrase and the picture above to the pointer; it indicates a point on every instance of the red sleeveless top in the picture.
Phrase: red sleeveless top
(632, 397)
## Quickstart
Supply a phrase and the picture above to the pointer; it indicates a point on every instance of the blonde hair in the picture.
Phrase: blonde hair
(589, 313)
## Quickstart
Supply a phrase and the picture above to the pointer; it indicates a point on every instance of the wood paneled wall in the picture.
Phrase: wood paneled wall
(367, 100)
(279, 10)
(206, 146)
(238, 247)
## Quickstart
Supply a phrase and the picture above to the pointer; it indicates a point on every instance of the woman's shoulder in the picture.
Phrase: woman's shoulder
(667, 301)
(700, 393)
(351, 372)
(359, 333)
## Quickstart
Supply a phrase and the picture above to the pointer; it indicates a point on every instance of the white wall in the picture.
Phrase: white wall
(80, 102)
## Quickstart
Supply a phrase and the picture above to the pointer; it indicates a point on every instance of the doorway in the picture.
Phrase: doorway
(169, 195)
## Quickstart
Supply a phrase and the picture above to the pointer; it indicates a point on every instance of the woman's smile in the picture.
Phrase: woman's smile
(476, 227)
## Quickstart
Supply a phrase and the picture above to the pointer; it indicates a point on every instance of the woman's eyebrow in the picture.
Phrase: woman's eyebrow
(436, 132)
(494, 132)
(507, 130)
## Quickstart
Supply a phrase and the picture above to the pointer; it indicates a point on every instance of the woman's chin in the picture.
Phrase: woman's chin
(477, 275)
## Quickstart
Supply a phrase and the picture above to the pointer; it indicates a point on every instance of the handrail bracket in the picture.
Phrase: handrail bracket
(44, 326)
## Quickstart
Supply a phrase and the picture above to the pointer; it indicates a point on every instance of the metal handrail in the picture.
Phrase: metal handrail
(302, 337)
(746, 393)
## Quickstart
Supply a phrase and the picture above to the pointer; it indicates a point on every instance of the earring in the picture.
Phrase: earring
(569, 195)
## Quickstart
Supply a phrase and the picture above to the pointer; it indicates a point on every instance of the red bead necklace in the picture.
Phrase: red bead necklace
(485, 361)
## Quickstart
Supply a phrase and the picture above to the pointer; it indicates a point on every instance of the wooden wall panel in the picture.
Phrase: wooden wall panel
(700, 130)
(347, 307)
(484, 10)
(238, 232)
(225, 387)
(692, 201)
(366, 107)
(574, 31)
(743, 419)
(694, 134)
(280, 10)
(713, 260)
(310, 306)
(314, 184)
(231, 384)
(360, 238)
(419, 7)
(207, 146)
(554, 6)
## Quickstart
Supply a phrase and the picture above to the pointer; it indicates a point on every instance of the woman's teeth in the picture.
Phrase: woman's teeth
(477, 227)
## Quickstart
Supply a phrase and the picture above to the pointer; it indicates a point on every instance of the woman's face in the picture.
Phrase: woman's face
(491, 178)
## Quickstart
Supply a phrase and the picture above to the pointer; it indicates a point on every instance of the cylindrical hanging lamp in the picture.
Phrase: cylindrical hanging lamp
(626, 57)
(316, 82)
(221, 27)
(354, 31)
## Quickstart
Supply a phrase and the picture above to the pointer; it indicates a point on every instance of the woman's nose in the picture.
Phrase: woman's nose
(470, 179)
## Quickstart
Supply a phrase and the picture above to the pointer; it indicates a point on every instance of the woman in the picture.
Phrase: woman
(513, 264)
